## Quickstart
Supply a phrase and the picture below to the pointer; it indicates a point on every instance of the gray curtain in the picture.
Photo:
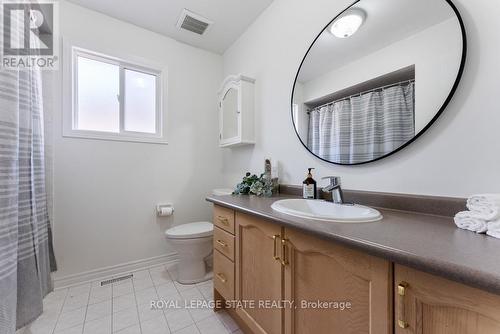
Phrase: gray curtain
(26, 255)
(363, 127)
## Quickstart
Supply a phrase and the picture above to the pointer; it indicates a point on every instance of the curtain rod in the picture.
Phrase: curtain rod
(366, 91)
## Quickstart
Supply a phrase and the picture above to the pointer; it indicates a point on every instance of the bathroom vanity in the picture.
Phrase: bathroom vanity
(355, 101)
(411, 272)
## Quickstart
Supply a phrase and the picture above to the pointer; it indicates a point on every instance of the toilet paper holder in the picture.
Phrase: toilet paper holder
(164, 209)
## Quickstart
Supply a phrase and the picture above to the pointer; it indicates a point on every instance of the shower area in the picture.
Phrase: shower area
(26, 250)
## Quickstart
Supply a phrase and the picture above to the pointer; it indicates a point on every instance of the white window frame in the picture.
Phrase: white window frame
(295, 110)
(70, 109)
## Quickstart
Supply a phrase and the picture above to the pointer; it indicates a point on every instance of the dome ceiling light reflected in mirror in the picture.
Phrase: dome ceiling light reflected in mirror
(348, 23)
(360, 99)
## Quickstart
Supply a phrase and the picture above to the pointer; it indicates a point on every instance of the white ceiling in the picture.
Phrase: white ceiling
(230, 17)
(387, 21)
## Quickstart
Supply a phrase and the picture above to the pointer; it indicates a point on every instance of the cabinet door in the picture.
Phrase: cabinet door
(426, 304)
(258, 273)
(230, 115)
(318, 270)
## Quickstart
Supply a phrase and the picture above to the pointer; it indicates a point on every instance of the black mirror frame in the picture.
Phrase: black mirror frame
(431, 122)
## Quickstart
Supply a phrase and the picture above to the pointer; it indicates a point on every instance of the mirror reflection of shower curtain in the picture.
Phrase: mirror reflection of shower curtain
(364, 127)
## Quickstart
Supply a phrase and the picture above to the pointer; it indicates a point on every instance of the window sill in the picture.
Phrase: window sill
(110, 137)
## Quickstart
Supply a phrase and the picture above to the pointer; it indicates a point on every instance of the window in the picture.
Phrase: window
(114, 99)
(295, 111)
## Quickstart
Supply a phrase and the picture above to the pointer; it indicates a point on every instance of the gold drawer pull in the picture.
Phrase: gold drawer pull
(401, 305)
(223, 220)
(221, 243)
(284, 251)
(275, 247)
(221, 277)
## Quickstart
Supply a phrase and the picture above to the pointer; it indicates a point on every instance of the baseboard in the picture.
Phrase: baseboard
(109, 272)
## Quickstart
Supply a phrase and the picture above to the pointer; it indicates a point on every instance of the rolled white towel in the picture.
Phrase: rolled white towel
(494, 228)
(471, 221)
(487, 205)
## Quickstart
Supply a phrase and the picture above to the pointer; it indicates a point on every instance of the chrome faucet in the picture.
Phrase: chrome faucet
(334, 188)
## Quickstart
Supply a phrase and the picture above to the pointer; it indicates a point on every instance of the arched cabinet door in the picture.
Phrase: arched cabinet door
(426, 304)
(326, 272)
(236, 111)
(258, 273)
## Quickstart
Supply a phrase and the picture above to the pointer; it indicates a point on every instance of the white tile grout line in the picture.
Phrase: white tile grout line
(156, 290)
(60, 311)
(86, 309)
(196, 323)
(112, 307)
(136, 304)
(213, 315)
(180, 294)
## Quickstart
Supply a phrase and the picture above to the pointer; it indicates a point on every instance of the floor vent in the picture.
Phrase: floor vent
(193, 22)
(117, 279)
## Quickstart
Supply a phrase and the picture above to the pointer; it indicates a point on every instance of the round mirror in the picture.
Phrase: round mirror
(376, 77)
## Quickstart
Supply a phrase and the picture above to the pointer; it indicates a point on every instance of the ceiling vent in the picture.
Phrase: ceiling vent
(193, 22)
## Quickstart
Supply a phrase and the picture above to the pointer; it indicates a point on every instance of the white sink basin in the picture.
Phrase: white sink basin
(327, 211)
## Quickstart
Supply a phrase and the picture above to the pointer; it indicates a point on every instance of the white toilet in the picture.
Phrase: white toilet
(193, 243)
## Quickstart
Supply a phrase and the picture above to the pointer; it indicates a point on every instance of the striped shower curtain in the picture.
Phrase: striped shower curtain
(26, 256)
(364, 127)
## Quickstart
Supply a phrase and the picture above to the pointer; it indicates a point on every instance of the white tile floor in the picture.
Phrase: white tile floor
(124, 308)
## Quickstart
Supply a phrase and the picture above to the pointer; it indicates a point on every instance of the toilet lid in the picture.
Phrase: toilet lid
(190, 231)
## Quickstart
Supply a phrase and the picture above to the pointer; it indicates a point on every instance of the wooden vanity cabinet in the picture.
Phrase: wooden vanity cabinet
(223, 219)
(273, 264)
(258, 273)
(426, 304)
(318, 270)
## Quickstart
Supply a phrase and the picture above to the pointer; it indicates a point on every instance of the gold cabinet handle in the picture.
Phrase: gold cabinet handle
(275, 247)
(401, 305)
(221, 277)
(221, 243)
(223, 220)
(284, 252)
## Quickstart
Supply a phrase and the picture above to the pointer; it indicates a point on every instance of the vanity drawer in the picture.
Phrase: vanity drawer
(224, 218)
(224, 242)
(224, 276)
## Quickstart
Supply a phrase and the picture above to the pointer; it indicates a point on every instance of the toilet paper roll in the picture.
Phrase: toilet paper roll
(166, 211)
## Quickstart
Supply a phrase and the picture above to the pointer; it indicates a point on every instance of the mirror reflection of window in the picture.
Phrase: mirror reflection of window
(295, 110)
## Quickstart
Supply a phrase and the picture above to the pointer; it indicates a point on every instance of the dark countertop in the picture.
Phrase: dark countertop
(426, 242)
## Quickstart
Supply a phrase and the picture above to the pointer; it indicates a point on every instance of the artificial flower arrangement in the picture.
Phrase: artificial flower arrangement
(255, 185)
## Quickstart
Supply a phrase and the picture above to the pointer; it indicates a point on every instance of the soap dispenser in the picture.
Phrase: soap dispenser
(309, 186)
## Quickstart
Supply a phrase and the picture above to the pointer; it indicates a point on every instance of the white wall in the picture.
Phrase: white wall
(104, 191)
(458, 156)
(435, 51)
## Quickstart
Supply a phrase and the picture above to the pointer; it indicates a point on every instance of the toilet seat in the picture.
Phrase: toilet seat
(191, 231)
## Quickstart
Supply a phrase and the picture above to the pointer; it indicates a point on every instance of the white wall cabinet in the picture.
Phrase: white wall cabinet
(236, 111)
